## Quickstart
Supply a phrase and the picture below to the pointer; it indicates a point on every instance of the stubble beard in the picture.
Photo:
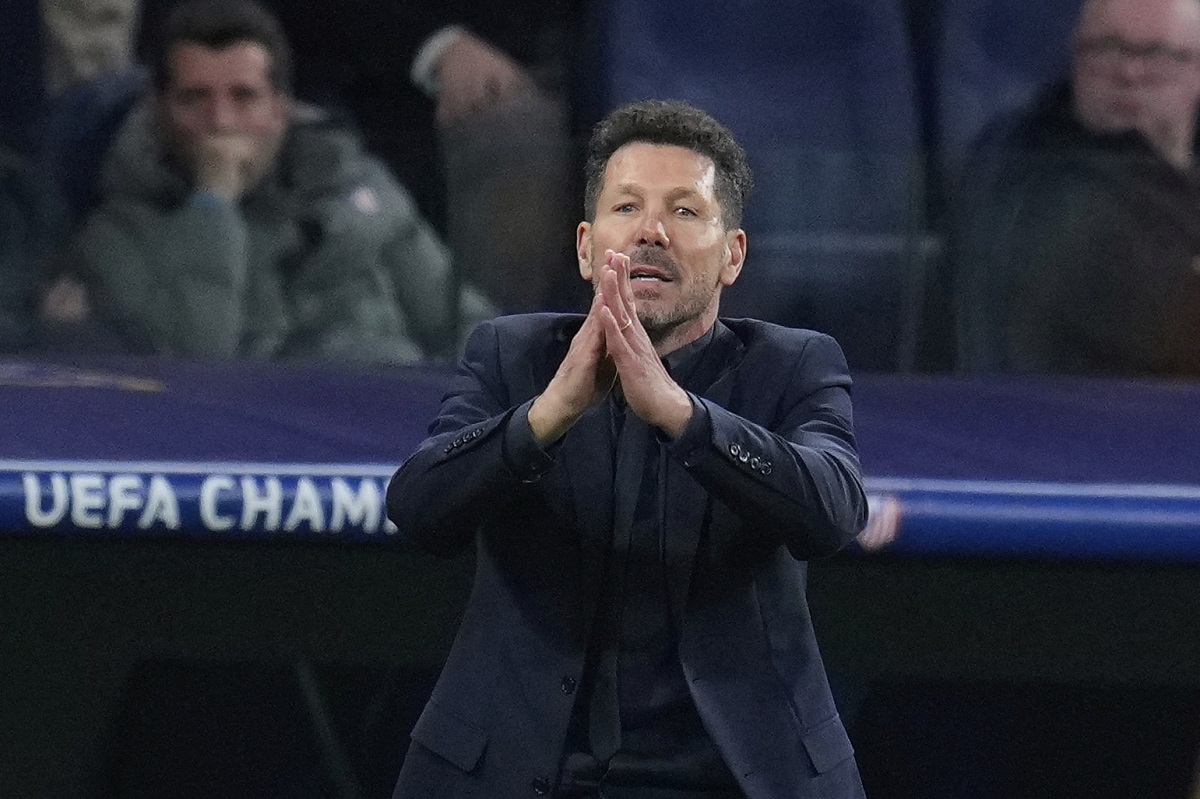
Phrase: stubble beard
(660, 323)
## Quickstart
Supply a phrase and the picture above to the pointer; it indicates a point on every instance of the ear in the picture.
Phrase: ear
(583, 250)
(735, 245)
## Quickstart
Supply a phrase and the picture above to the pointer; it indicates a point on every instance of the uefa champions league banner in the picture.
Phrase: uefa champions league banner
(207, 501)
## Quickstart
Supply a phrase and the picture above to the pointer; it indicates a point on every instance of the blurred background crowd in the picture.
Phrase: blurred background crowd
(970, 185)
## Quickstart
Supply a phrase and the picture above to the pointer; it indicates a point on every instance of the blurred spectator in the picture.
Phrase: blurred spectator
(499, 77)
(31, 224)
(50, 46)
(85, 38)
(1077, 239)
(508, 158)
(235, 222)
(469, 103)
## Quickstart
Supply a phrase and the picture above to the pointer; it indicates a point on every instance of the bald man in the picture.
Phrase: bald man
(1077, 233)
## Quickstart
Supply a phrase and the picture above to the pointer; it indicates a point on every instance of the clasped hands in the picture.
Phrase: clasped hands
(611, 347)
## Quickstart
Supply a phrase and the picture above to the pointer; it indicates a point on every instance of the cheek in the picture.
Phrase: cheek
(1189, 95)
(262, 120)
(186, 123)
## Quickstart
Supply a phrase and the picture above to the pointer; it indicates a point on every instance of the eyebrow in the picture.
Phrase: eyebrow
(679, 193)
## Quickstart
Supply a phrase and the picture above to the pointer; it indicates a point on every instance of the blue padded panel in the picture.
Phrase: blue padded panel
(821, 93)
(80, 128)
(20, 73)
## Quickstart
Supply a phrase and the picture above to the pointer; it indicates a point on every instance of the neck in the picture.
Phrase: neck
(667, 341)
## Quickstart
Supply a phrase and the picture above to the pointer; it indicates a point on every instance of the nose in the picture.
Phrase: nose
(1132, 69)
(221, 115)
(652, 231)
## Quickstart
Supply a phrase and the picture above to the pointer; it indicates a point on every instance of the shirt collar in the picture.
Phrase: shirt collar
(682, 362)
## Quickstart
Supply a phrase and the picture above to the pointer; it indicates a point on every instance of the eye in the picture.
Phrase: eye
(245, 94)
(189, 97)
(684, 211)
(625, 208)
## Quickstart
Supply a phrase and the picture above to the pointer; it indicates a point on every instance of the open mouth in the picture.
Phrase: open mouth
(647, 274)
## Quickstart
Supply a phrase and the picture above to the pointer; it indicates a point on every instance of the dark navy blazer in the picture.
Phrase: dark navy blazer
(773, 482)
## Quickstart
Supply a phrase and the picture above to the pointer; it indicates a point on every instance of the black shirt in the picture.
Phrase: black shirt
(663, 746)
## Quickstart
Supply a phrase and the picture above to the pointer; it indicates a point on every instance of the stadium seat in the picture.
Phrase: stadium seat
(821, 93)
(80, 128)
(21, 96)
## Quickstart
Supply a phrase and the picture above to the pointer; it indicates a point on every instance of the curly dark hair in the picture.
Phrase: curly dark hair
(671, 123)
(219, 24)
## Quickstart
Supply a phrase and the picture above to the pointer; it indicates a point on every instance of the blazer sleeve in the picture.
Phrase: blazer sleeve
(470, 466)
(798, 477)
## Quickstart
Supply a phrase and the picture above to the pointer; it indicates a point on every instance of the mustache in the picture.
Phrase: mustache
(656, 257)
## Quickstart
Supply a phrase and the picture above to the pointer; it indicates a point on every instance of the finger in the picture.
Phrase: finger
(612, 259)
(505, 83)
(626, 286)
(622, 266)
(614, 337)
(625, 291)
(591, 331)
(610, 286)
(618, 291)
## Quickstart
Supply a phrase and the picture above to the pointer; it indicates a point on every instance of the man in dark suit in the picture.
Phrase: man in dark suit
(643, 484)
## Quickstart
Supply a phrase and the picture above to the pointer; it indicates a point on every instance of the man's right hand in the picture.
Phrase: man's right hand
(226, 164)
(472, 76)
(585, 377)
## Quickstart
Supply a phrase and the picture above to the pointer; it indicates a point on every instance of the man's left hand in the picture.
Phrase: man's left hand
(649, 390)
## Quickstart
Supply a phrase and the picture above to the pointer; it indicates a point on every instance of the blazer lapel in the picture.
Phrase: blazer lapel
(686, 505)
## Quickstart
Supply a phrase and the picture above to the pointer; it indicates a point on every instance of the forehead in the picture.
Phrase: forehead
(1175, 22)
(240, 62)
(660, 167)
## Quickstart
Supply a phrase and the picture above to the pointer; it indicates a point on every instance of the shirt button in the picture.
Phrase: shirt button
(568, 685)
(541, 786)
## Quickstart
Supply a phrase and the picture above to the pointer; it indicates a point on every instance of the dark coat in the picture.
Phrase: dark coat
(1075, 251)
(773, 482)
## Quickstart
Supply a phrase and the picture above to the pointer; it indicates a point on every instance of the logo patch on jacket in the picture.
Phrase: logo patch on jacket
(365, 200)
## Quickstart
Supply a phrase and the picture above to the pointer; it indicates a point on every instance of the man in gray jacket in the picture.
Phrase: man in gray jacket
(235, 223)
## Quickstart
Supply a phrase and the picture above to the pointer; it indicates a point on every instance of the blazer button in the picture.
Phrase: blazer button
(541, 786)
(755, 463)
(744, 456)
(766, 467)
(734, 450)
(568, 685)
